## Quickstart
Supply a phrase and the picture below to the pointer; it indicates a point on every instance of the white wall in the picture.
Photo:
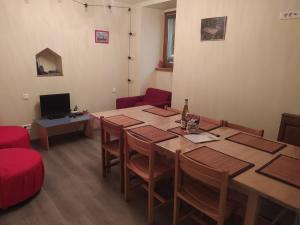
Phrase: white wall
(161, 80)
(251, 77)
(150, 45)
(147, 48)
(90, 70)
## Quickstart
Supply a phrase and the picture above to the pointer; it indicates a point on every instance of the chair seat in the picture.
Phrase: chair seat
(140, 164)
(263, 221)
(113, 148)
(203, 198)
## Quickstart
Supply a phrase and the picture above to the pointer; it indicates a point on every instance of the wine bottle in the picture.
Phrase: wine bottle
(183, 115)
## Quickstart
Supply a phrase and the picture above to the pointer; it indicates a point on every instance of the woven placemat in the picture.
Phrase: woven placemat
(205, 125)
(283, 168)
(151, 133)
(161, 112)
(218, 160)
(179, 131)
(123, 120)
(256, 142)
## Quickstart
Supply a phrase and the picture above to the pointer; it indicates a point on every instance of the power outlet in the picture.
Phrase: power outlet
(27, 126)
(290, 15)
(25, 96)
(114, 90)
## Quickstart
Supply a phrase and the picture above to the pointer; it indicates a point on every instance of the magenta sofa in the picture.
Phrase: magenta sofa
(153, 96)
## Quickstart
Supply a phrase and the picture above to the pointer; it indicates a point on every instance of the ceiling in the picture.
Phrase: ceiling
(165, 5)
(130, 1)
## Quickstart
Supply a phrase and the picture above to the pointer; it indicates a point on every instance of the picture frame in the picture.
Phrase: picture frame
(102, 36)
(213, 29)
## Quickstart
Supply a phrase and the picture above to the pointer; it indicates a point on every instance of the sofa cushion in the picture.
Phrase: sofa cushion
(143, 103)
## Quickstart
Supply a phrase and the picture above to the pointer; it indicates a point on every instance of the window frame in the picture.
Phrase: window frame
(165, 44)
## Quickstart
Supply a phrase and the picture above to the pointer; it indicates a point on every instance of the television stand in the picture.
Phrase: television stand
(57, 116)
(45, 125)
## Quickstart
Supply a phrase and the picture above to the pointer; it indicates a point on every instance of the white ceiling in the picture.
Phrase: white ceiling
(165, 5)
(130, 1)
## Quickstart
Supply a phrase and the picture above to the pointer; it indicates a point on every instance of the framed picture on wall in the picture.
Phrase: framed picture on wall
(213, 29)
(101, 36)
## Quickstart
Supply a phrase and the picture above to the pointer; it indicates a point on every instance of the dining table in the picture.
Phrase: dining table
(251, 182)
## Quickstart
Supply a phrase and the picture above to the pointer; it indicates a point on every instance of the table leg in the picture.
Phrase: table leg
(44, 137)
(253, 205)
(88, 129)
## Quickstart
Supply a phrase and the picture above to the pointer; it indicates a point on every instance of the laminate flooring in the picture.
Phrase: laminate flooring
(74, 192)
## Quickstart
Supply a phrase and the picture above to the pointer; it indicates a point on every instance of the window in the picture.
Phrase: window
(169, 38)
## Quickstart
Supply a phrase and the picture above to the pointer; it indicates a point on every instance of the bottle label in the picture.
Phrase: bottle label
(183, 124)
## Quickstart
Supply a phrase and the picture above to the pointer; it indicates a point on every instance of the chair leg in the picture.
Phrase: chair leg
(103, 162)
(107, 162)
(122, 174)
(297, 219)
(176, 210)
(151, 202)
(126, 183)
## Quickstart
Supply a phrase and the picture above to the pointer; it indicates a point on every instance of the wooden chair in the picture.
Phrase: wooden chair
(174, 110)
(272, 213)
(244, 129)
(112, 141)
(289, 131)
(202, 187)
(147, 165)
(210, 120)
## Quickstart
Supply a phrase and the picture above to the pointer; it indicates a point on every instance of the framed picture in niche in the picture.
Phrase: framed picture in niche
(101, 36)
(213, 29)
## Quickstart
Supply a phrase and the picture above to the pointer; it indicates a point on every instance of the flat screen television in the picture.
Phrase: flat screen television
(56, 105)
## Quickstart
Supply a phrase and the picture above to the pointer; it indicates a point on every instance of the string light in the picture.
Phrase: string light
(86, 5)
(101, 5)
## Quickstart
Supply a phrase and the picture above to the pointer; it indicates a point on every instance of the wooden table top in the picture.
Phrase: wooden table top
(250, 180)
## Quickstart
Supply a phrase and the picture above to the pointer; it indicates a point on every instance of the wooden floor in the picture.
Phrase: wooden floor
(74, 192)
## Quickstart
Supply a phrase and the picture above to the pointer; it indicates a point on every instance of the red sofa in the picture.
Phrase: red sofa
(153, 96)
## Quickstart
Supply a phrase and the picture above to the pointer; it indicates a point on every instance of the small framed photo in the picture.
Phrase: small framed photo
(101, 36)
(213, 29)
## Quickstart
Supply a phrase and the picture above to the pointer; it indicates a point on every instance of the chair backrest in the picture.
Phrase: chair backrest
(109, 129)
(244, 129)
(289, 131)
(157, 94)
(214, 178)
(133, 142)
(210, 120)
(173, 109)
(202, 173)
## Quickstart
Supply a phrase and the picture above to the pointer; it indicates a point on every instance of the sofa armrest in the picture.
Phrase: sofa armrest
(128, 101)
